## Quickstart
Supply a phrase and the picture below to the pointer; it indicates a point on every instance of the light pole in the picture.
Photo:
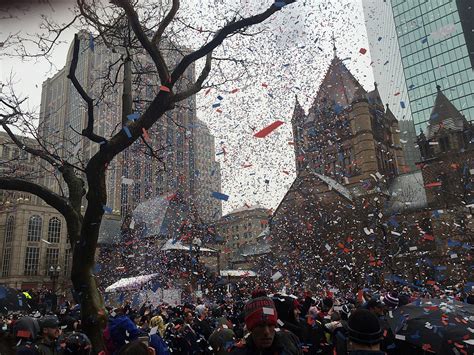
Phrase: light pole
(54, 275)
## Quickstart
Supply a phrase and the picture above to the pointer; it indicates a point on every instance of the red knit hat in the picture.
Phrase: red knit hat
(260, 310)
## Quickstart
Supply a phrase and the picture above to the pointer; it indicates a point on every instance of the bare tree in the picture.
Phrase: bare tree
(143, 34)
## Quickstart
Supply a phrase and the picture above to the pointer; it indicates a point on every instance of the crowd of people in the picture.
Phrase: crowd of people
(261, 323)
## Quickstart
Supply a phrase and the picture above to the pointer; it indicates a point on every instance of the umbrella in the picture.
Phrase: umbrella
(435, 325)
(12, 300)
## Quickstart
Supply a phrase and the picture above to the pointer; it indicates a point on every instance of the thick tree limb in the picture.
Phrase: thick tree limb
(54, 161)
(61, 204)
(89, 130)
(197, 85)
(220, 37)
(165, 23)
(154, 52)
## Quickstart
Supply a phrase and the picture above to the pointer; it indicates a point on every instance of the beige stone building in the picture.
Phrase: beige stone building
(239, 229)
(32, 234)
(207, 175)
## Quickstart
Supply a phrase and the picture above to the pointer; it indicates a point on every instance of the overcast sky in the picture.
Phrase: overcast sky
(292, 59)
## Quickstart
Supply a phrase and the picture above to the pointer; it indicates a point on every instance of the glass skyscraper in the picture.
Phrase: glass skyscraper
(436, 47)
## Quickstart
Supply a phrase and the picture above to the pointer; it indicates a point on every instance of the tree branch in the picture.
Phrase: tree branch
(165, 23)
(197, 86)
(89, 130)
(154, 52)
(51, 198)
(221, 36)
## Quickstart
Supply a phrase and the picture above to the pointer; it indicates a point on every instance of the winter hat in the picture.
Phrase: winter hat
(77, 343)
(49, 321)
(391, 300)
(327, 304)
(364, 327)
(26, 327)
(260, 310)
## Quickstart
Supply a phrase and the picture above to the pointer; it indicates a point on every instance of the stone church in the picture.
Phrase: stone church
(354, 216)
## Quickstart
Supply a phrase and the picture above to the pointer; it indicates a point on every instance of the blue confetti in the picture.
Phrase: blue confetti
(279, 4)
(402, 104)
(127, 131)
(217, 104)
(220, 196)
(133, 116)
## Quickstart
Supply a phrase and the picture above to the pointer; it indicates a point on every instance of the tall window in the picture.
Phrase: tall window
(7, 255)
(9, 229)
(34, 228)
(67, 262)
(54, 230)
(52, 258)
(31, 261)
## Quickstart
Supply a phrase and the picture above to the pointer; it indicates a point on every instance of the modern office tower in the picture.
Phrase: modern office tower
(134, 175)
(436, 47)
(207, 176)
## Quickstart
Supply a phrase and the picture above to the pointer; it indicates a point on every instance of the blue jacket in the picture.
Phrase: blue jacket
(157, 343)
(122, 329)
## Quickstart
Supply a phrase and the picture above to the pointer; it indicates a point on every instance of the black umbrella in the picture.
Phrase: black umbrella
(12, 300)
(435, 325)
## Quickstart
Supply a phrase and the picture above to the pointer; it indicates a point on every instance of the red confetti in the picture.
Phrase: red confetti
(207, 92)
(165, 88)
(433, 184)
(269, 129)
(396, 94)
(234, 91)
(362, 51)
(264, 85)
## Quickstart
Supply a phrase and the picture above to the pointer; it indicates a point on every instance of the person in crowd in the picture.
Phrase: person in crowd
(379, 309)
(47, 343)
(201, 323)
(77, 344)
(158, 322)
(365, 334)
(261, 319)
(26, 330)
(120, 329)
(222, 339)
(136, 347)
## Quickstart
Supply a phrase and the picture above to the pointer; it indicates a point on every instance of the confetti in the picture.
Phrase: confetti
(269, 129)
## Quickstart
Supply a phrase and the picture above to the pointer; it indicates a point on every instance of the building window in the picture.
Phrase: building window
(67, 262)
(52, 258)
(54, 230)
(31, 261)
(9, 229)
(7, 254)
(34, 228)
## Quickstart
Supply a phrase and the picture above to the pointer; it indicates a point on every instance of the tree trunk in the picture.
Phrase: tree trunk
(93, 314)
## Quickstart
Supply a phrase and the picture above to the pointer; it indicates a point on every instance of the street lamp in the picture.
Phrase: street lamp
(54, 275)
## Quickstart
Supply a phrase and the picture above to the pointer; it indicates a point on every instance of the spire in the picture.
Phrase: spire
(298, 112)
(389, 114)
(334, 45)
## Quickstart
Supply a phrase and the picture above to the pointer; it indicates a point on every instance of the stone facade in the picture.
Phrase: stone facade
(239, 229)
(207, 175)
(353, 216)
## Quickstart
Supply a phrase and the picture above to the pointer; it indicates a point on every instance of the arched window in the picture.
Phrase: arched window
(54, 230)
(9, 229)
(34, 228)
